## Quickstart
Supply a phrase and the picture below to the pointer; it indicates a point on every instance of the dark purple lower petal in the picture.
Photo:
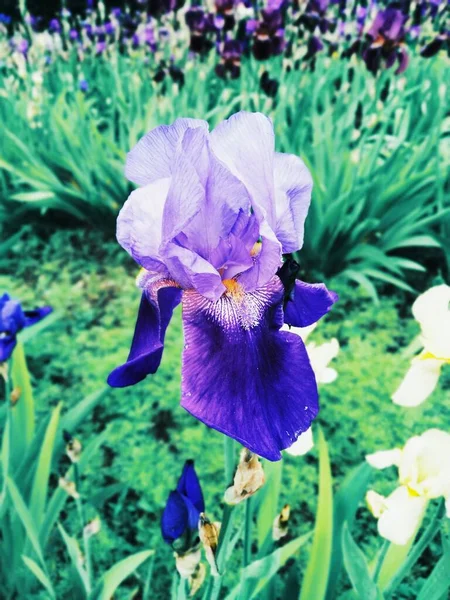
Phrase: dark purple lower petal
(241, 375)
(155, 311)
(309, 302)
(7, 345)
(36, 315)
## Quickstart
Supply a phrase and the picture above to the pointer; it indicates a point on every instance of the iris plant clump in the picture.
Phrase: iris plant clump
(233, 29)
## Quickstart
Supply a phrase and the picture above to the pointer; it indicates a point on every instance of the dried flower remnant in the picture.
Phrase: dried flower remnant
(69, 487)
(249, 477)
(209, 536)
(280, 527)
(73, 447)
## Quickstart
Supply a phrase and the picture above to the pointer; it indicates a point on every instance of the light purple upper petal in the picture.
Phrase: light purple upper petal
(265, 263)
(258, 386)
(192, 271)
(224, 199)
(245, 143)
(139, 224)
(293, 186)
(152, 157)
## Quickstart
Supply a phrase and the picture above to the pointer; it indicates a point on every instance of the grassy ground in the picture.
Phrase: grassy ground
(90, 280)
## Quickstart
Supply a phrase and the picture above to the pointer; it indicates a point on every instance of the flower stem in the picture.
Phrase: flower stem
(215, 584)
(380, 559)
(248, 532)
(417, 550)
(81, 515)
(230, 459)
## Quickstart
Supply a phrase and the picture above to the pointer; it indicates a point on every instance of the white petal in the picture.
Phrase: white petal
(419, 382)
(432, 311)
(425, 465)
(303, 444)
(303, 332)
(376, 503)
(320, 356)
(401, 519)
(384, 458)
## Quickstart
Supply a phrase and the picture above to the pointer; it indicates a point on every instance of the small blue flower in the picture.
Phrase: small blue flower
(12, 320)
(179, 522)
(83, 85)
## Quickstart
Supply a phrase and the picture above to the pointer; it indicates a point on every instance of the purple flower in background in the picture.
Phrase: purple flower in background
(268, 33)
(179, 522)
(54, 26)
(200, 25)
(5, 19)
(230, 59)
(385, 41)
(83, 85)
(433, 47)
(73, 34)
(100, 47)
(214, 213)
(22, 46)
(12, 320)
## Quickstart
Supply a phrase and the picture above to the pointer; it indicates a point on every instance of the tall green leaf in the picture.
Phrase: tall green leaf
(314, 584)
(357, 568)
(41, 477)
(111, 580)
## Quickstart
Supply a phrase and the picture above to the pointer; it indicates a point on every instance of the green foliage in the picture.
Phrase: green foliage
(30, 504)
(314, 584)
(381, 180)
(138, 433)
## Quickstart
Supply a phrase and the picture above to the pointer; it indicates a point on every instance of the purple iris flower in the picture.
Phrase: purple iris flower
(73, 34)
(214, 213)
(83, 85)
(5, 19)
(12, 320)
(22, 46)
(385, 41)
(179, 522)
(230, 59)
(54, 26)
(437, 44)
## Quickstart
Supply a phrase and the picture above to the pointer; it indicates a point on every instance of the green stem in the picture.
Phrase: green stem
(215, 584)
(248, 532)
(230, 459)
(82, 517)
(182, 589)
(417, 551)
(380, 559)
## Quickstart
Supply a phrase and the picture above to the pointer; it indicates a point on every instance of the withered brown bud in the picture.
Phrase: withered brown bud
(196, 579)
(209, 536)
(68, 487)
(249, 477)
(15, 395)
(93, 527)
(188, 562)
(281, 522)
(73, 447)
